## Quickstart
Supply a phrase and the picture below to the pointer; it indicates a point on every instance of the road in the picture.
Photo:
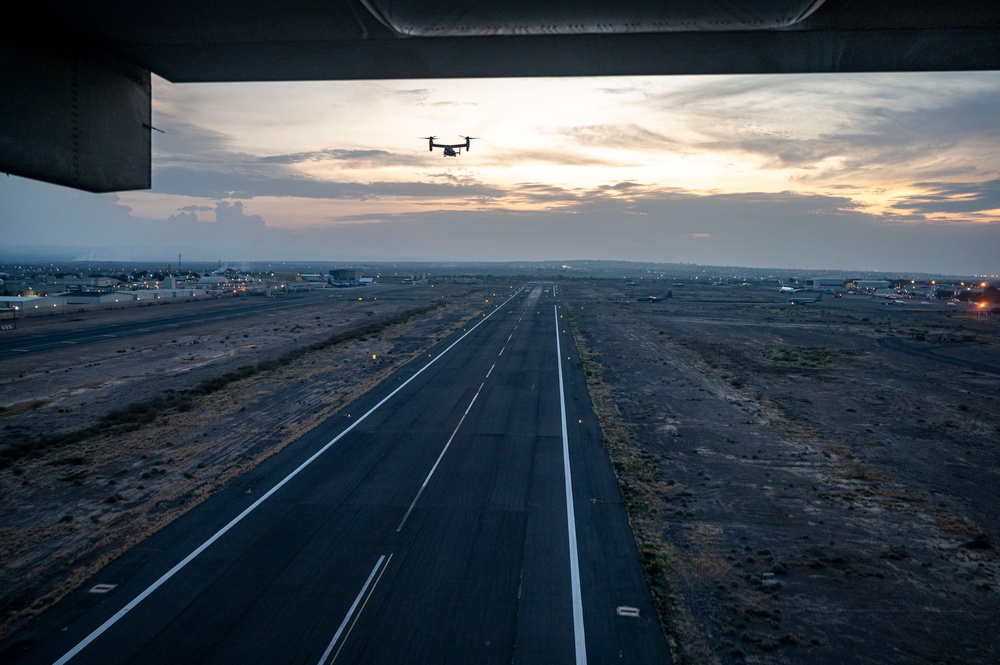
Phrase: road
(464, 512)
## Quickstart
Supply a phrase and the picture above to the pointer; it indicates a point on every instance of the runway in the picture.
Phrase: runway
(157, 320)
(463, 512)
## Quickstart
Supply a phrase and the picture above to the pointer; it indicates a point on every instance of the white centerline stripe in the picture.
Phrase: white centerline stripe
(350, 612)
(239, 518)
(491, 370)
(502, 350)
(574, 557)
(443, 451)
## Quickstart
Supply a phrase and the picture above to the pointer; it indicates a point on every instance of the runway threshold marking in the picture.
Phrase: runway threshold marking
(100, 630)
(443, 451)
(354, 606)
(580, 639)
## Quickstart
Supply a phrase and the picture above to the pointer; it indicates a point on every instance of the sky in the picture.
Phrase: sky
(835, 172)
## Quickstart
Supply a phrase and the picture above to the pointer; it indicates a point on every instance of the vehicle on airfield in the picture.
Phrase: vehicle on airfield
(670, 294)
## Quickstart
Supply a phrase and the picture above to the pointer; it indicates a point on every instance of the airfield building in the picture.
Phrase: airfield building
(828, 282)
(872, 284)
(347, 275)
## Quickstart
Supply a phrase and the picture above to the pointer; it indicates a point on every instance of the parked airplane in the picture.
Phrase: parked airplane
(805, 301)
(670, 294)
(788, 289)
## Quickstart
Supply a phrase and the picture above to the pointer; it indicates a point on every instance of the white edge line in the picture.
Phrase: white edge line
(580, 639)
(350, 612)
(236, 520)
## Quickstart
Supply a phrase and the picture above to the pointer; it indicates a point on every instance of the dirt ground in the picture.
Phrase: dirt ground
(67, 513)
(824, 444)
(809, 484)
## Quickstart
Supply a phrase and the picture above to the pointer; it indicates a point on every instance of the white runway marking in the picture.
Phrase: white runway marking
(443, 451)
(354, 606)
(574, 557)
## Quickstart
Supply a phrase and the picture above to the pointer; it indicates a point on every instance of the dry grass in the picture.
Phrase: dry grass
(22, 407)
(109, 493)
(956, 526)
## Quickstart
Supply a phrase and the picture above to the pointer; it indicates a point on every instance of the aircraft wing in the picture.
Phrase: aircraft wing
(75, 103)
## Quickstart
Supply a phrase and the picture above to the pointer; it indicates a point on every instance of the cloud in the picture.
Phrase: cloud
(213, 184)
(625, 90)
(632, 221)
(182, 142)
(623, 137)
(953, 197)
(183, 219)
(349, 158)
(846, 126)
(411, 94)
(752, 229)
(556, 156)
(586, 185)
(231, 215)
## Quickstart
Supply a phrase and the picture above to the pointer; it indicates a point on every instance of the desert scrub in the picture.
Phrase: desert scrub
(22, 407)
(137, 415)
(800, 357)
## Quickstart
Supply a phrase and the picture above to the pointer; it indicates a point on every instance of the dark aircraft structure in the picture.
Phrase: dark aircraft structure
(75, 99)
(670, 294)
(449, 149)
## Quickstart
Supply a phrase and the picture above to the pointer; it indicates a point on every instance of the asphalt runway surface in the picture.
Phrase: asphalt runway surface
(156, 321)
(463, 512)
